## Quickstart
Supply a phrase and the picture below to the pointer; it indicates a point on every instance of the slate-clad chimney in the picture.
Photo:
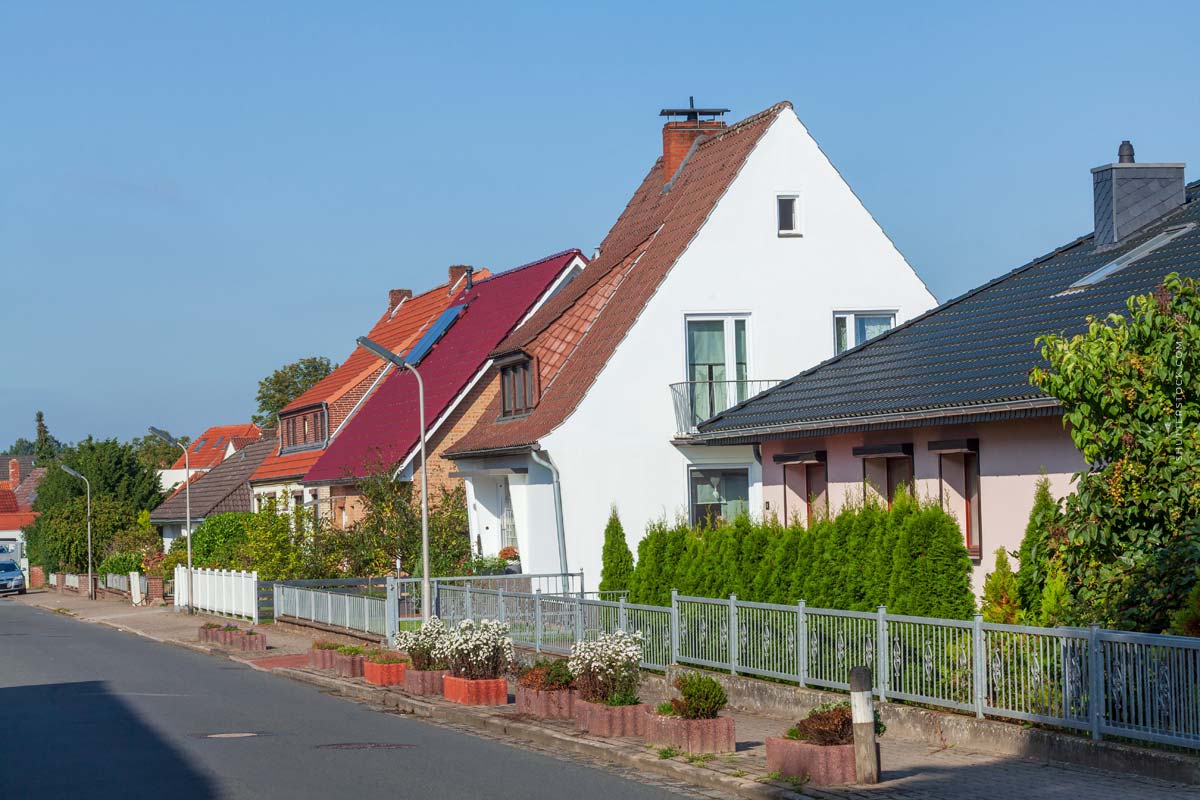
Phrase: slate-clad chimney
(678, 136)
(1127, 196)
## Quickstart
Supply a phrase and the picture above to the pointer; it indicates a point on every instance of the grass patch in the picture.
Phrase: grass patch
(700, 759)
(738, 773)
(668, 752)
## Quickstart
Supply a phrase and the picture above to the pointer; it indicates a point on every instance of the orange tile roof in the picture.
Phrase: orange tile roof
(16, 521)
(292, 465)
(208, 449)
(576, 332)
(394, 331)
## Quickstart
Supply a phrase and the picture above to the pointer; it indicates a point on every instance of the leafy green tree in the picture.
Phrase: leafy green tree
(1036, 550)
(112, 468)
(155, 454)
(21, 447)
(286, 384)
(1130, 389)
(59, 539)
(274, 545)
(219, 539)
(616, 557)
(1000, 600)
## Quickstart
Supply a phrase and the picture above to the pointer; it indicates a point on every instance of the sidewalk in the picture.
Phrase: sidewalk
(910, 770)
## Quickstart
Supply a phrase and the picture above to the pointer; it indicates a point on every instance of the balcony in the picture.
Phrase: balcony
(697, 401)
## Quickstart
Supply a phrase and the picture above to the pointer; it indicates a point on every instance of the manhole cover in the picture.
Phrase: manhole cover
(365, 746)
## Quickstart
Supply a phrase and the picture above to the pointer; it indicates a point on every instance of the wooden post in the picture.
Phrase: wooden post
(862, 711)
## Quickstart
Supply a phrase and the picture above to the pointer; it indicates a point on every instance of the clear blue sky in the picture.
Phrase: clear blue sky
(192, 194)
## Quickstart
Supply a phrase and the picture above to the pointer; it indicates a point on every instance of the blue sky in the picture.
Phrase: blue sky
(193, 194)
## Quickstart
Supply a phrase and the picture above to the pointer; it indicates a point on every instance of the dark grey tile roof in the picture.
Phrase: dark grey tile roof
(223, 488)
(971, 352)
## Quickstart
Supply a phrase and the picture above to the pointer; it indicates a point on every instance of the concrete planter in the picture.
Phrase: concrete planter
(384, 674)
(208, 635)
(424, 681)
(254, 642)
(319, 658)
(347, 666)
(599, 719)
(829, 765)
(551, 704)
(690, 735)
(481, 692)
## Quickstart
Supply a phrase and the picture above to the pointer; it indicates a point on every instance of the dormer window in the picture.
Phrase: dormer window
(787, 208)
(304, 431)
(518, 388)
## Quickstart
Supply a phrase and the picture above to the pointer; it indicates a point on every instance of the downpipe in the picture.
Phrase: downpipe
(558, 515)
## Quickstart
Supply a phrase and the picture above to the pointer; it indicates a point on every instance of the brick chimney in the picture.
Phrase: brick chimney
(680, 135)
(14, 473)
(396, 296)
(457, 272)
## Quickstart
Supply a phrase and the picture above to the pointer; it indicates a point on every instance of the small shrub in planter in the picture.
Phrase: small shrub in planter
(607, 678)
(384, 667)
(477, 654)
(691, 722)
(546, 690)
(320, 655)
(428, 664)
(820, 746)
(207, 631)
(348, 661)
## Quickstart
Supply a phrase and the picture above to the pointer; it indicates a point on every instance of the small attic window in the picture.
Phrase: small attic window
(518, 388)
(787, 208)
(199, 444)
(1134, 255)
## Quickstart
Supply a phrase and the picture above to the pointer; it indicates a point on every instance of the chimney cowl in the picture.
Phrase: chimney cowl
(459, 271)
(1127, 196)
(679, 136)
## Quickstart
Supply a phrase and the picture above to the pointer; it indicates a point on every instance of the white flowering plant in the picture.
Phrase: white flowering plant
(424, 645)
(477, 650)
(606, 669)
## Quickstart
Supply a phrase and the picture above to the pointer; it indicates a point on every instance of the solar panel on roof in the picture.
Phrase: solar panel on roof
(436, 331)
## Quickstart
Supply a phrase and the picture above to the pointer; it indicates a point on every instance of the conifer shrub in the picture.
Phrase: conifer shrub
(1000, 602)
(931, 571)
(1035, 553)
(616, 559)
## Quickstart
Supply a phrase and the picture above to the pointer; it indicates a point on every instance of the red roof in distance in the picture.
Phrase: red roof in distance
(208, 449)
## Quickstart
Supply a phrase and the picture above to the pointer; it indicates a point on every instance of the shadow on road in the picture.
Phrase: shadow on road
(68, 738)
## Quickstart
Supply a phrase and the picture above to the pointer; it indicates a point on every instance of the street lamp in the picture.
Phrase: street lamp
(387, 355)
(88, 484)
(187, 490)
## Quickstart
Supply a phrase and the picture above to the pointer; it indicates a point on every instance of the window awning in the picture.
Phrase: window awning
(805, 457)
(489, 471)
(954, 446)
(899, 450)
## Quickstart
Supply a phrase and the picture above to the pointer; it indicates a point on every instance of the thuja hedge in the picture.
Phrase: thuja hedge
(910, 558)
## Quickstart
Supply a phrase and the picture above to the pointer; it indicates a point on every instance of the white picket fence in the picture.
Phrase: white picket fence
(218, 591)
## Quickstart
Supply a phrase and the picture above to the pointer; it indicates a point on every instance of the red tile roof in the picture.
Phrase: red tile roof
(386, 428)
(575, 334)
(8, 500)
(343, 388)
(17, 520)
(208, 449)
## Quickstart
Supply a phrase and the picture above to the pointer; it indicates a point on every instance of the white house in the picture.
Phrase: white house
(742, 254)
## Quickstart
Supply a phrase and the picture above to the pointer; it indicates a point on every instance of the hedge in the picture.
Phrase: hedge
(910, 558)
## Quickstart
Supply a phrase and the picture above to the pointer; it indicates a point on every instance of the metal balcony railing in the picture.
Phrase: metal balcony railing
(697, 401)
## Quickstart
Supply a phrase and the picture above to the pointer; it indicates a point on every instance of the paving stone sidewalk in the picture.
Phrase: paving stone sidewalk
(910, 770)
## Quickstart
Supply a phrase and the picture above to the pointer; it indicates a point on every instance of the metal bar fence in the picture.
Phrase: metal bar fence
(362, 613)
(1146, 686)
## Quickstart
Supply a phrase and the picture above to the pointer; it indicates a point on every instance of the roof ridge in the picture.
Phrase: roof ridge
(560, 254)
(741, 125)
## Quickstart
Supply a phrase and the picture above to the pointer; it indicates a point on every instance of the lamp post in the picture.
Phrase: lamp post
(187, 490)
(88, 484)
(387, 355)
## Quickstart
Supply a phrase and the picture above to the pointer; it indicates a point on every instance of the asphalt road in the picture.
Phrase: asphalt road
(88, 708)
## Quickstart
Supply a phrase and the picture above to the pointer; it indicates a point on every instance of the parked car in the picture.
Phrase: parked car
(11, 577)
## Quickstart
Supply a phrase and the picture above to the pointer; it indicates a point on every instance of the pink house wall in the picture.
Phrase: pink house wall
(1012, 455)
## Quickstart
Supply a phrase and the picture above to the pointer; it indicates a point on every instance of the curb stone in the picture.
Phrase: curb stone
(496, 724)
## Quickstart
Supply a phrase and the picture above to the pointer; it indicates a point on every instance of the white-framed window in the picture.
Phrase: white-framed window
(852, 328)
(718, 362)
(718, 494)
(788, 214)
